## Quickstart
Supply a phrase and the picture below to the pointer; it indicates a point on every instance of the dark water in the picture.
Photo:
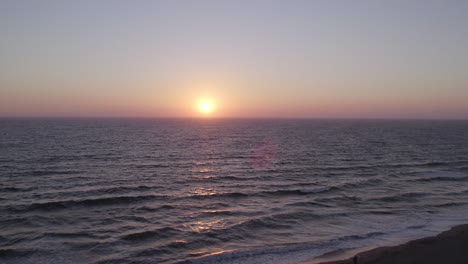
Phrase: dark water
(223, 191)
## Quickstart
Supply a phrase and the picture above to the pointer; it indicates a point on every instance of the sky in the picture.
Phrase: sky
(248, 58)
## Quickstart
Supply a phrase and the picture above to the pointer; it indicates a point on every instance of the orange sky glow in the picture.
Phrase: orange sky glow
(311, 59)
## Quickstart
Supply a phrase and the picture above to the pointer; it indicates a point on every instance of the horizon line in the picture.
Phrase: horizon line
(233, 118)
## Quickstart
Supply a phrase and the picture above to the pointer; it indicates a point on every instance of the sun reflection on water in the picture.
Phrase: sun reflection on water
(203, 226)
(203, 191)
(205, 170)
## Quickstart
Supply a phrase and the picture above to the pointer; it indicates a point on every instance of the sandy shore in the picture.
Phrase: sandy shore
(449, 247)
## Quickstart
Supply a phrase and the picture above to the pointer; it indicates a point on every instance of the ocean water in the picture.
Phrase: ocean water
(223, 190)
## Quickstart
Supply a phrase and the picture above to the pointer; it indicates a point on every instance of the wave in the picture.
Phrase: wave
(363, 236)
(442, 176)
(341, 198)
(392, 165)
(262, 255)
(360, 183)
(309, 203)
(97, 191)
(380, 212)
(299, 191)
(449, 204)
(235, 178)
(221, 213)
(216, 195)
(416, 227)
(124, 189)
(284, 192)
(402, 197)
(58, 205)
(295, 253)
(51, 172)
(218, 179)
(150, 166)
(70, 235)
(16, 189)
(435, 164)
(155, 209)
(274, 221)
(164, 232)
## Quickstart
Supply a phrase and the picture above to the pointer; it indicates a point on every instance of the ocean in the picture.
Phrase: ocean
(224, 190)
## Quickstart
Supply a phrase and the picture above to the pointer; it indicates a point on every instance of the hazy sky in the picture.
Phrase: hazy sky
(252, 58)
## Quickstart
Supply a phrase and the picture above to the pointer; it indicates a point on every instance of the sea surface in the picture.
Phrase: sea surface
(224, 190)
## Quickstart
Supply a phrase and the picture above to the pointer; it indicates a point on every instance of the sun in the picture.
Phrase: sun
(206, 107)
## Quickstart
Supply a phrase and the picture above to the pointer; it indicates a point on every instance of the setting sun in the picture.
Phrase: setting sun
(205, 107)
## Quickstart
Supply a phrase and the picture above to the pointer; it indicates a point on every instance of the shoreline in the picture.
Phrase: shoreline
(448, 247)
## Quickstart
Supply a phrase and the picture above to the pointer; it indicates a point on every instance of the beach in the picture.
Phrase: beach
(449, 247)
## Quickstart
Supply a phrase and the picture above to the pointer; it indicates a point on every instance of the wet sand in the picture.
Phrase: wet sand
(449, 247)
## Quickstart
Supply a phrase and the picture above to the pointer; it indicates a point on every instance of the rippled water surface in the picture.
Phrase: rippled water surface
(223, 191)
